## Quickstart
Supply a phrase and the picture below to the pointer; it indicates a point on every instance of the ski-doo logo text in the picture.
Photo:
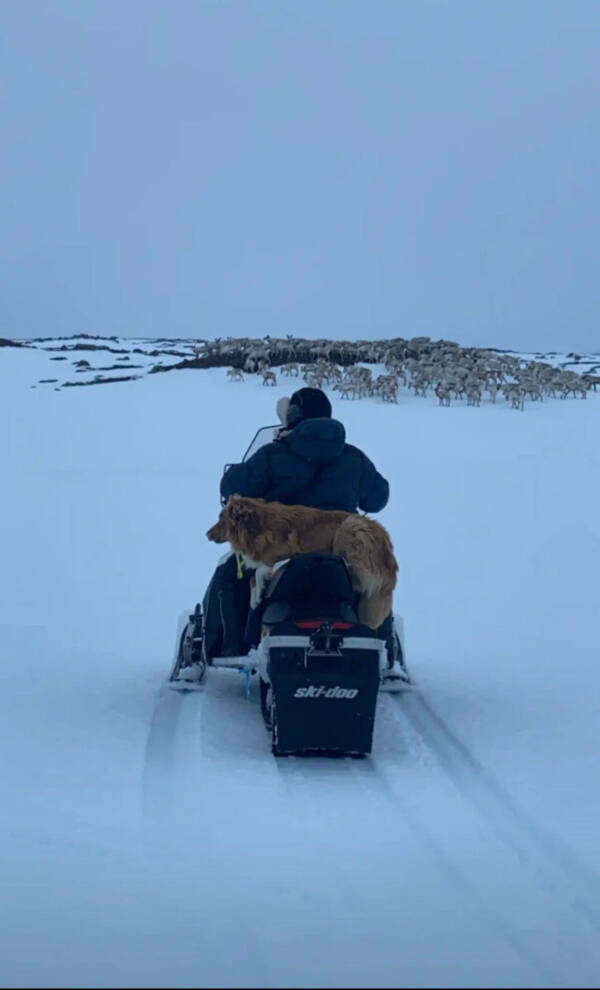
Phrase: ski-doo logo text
(324, 692)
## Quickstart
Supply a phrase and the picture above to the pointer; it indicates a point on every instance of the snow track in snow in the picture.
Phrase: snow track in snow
(381, 782)
(159, 755)
(479, 787)
(542, 899)
(505, 878)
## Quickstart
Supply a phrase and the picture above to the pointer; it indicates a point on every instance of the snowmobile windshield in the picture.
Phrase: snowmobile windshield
(263, 436)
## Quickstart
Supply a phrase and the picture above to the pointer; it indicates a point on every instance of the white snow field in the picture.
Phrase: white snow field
(149, 837)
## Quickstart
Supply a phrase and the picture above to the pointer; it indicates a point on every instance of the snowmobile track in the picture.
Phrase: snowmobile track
(548, 886)
(157, 782)
(542, 883)
(554, 862)
(376, 784)
(380, 781)
(478, 787)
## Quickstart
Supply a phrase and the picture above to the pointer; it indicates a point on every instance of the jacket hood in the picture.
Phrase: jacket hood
(317, 440)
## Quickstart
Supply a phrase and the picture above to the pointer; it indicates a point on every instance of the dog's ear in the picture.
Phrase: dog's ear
(244, 514)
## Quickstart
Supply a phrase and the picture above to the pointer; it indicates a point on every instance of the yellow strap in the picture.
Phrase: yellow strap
(240, 565)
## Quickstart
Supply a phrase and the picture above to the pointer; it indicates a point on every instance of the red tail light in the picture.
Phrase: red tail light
(317, 623)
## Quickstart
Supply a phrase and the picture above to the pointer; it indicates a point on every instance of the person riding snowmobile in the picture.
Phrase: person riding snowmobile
(309, 463)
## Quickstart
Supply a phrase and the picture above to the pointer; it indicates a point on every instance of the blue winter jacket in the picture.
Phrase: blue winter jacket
(311, 465)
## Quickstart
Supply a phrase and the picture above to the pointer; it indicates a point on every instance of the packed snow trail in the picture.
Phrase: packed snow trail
(479, 787)
(514, 889)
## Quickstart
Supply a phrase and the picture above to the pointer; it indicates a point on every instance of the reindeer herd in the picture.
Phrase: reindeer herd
(420, 365)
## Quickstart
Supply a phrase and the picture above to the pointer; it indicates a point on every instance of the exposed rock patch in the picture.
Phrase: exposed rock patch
(101, 381)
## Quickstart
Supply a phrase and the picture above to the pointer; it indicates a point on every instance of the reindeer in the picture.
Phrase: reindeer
(473, 395)
(269, 377)
(517, 398)
(419, 386)
(346, 390)
(313, 379)
(576, 389)
(389, 391)
(532, 390)
(591, 381)
(443, 394)
(235, 375)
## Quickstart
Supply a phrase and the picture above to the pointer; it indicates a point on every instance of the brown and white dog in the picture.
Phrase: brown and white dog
(267, 532)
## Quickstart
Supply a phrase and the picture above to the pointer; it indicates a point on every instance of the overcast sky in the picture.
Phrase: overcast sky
(357, 168)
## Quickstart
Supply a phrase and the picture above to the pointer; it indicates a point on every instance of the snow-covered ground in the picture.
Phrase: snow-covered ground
(149, 838)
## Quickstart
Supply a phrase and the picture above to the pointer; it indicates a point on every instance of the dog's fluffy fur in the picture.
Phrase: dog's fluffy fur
(267, 532)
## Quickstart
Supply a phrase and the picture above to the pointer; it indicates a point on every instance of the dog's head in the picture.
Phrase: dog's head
(239, 522)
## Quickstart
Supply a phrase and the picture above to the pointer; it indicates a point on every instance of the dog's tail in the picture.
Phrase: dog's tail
(367, 549)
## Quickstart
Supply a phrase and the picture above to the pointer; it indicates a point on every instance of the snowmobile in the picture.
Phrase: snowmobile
(319, 669)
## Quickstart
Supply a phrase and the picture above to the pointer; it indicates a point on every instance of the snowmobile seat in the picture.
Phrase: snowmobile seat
(311, 584)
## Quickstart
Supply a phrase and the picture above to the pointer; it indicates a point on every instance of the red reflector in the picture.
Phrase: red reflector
(317, 623)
